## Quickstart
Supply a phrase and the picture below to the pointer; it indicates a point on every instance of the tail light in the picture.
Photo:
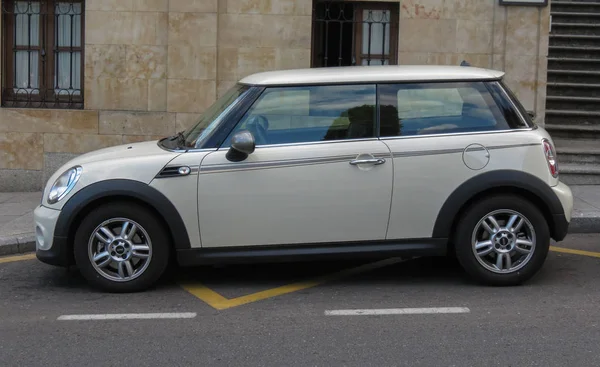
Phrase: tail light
(550, 157)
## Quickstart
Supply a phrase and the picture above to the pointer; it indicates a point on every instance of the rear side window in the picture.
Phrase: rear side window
(438, 108)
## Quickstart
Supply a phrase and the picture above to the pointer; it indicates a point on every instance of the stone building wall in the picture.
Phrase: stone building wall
(152, 66)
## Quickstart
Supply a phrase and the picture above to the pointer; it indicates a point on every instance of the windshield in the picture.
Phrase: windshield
(209, 120)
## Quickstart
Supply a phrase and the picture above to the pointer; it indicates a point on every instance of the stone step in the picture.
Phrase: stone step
(574, 17)
(574, 76)
(573, 89)
(575, 28)
(575, 6)
(573, 63)
(579, 151)
(575, 106)
(572, 117)
(579, 174)
(572, 131)
(574, 52)
(582, 40)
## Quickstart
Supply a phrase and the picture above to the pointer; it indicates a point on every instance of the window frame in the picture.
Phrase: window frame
(46, 96)
(392, 7)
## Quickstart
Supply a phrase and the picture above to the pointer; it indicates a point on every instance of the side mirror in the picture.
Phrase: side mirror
(532, 115)
(242, 145)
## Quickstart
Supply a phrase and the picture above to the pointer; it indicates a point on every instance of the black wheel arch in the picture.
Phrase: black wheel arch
(514, 182)
(102, 192)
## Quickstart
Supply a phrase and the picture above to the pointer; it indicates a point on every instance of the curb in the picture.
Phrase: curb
(17, 245)
(26, 242)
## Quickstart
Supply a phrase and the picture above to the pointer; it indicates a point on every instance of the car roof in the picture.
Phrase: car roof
(366, 74)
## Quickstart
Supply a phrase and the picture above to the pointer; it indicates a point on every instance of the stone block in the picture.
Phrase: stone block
(228, 63)
(162, 29)
(20, 180)
(150, 5)
(116, 94)
(53, 161)
(107, 61)
(185, 121)
(146, 62)
(428, 35)
(196, 6)
(121, 28)
(424, 9)
(109, 5)
(413, 58)
(41, 120)
(292, 58)
(192, 62)
(253, 60)
(474, 36)
(192, 96)
(249, 6)
(21, 150)
(521, 78)
(77, 143)
(282, 31)
(522, 29)
(192, 29)
(291, 7)
(137, 123)
(481, 10)
(223, 86)
(157, 95)
(498, 62)
(240, 30)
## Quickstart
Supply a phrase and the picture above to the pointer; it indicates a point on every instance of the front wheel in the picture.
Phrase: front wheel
(502, 240)
(121, 247)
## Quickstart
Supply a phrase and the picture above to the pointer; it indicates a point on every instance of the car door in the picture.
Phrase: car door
(318, 173)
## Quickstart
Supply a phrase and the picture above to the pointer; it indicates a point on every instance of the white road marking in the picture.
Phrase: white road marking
(129, 316)
(398, 311)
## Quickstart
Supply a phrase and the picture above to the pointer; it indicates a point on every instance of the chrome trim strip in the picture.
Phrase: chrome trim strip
(455, 134)
(416, 153)
(312, 143)
(273, 164)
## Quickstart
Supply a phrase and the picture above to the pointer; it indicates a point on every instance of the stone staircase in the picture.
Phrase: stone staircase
(573, 94)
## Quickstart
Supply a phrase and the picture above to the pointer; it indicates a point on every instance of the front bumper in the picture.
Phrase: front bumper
(49, 248)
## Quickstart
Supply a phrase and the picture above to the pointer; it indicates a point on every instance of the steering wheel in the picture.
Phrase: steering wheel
(258, 126)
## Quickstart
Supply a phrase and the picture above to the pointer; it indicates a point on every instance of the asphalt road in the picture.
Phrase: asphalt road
(554, 320)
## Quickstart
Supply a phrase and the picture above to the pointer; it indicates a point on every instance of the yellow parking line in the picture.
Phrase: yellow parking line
(10, 259)
(575, 252)
(219, 302)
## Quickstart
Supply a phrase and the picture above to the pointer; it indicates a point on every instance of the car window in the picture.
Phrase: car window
(300, 114)
(438, 108)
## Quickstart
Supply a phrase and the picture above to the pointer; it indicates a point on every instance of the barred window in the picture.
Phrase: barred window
(42, 58)
(348, 33)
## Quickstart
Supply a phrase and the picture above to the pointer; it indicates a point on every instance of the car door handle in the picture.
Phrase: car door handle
(375, 161)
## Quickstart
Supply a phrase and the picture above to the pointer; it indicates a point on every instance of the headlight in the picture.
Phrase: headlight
(64, 184)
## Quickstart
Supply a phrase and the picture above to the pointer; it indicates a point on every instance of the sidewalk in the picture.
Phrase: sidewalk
(17, 228)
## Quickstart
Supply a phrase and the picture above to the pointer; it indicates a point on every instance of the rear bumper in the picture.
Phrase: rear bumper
(561, 221)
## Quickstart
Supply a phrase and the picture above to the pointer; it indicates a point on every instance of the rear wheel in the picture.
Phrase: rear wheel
(502, 240)
(121, 248)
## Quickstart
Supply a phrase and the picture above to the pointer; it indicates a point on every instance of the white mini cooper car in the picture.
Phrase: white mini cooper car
(359, 161)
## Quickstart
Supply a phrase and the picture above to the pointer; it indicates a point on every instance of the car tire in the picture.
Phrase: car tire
(147, 250)
(472, 236)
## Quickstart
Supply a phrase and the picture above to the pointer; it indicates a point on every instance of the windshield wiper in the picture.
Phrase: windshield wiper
(180, 138)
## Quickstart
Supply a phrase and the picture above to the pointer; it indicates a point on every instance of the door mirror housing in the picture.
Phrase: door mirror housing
(242, 145)
(531, 114)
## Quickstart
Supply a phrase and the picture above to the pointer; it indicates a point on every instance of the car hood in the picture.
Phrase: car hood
(123, 152)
